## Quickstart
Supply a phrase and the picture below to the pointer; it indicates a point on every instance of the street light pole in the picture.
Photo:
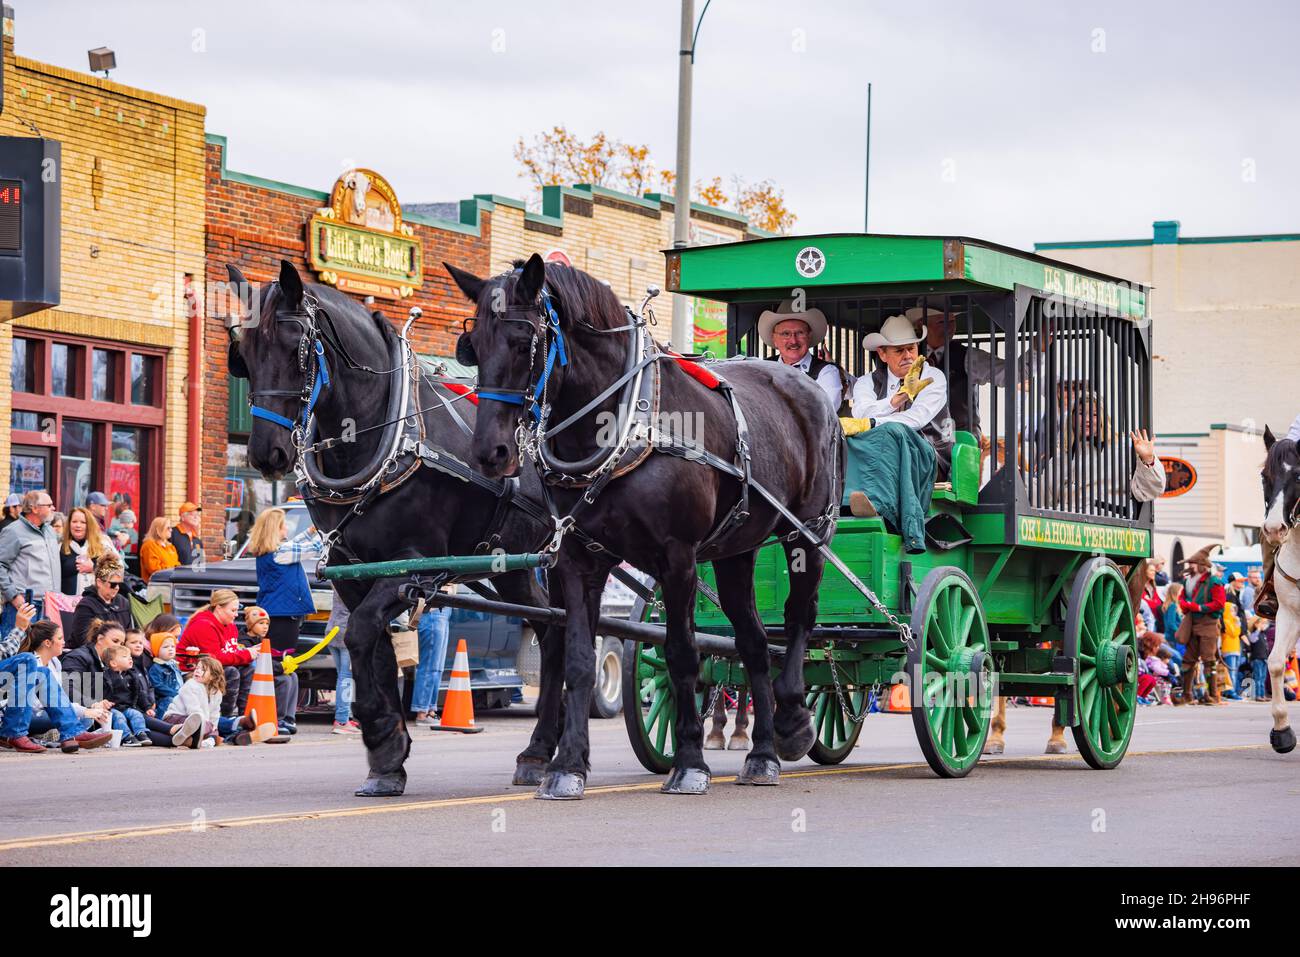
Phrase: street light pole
(683, 336)
(866, 193)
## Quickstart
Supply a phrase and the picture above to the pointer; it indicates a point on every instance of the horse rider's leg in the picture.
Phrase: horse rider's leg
(793, 720)
(581, 580)
(735, 579)
(1287, 629)
(689, 774)
(717, 739)
(996, 741)
(530, 764)
(740, 737)
(378, 705)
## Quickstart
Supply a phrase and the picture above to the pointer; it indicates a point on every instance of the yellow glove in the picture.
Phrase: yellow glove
(854, 426)
(912, 383)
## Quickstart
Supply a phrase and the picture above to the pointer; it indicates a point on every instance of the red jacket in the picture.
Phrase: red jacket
(1210, 597)
(211, 637)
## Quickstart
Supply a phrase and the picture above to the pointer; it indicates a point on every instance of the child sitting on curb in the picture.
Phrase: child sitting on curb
(164, 673)
(195, 713)
(122, 686)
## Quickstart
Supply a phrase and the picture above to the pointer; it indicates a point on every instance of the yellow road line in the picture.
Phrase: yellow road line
(289, 817)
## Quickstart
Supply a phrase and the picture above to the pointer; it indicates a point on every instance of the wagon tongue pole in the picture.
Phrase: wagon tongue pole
(472, 565)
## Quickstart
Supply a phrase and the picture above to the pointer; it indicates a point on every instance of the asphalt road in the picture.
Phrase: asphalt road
(293, 803)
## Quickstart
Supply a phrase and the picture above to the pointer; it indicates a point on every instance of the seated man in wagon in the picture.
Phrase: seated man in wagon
(795, 336)
(900, 433)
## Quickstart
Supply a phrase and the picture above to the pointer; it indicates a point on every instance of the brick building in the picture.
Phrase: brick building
(97, 397)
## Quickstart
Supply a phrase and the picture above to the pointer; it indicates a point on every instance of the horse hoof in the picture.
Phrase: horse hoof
(528, 774)
(383, 785)
(738, 742)
(716, 741)
(760, 771)
(994, 746)
(686, 781)
(797, 743)
(1055, 746)
(561, 786)
(1283, 741)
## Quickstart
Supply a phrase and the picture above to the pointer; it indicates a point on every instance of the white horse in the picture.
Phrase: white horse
(1281, 477)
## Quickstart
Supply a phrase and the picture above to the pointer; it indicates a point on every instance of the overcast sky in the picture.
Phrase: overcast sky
(1011, 121)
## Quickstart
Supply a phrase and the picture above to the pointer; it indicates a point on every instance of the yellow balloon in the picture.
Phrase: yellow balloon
(291, 663)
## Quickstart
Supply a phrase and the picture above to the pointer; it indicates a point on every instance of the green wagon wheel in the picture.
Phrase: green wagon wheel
(951, 672)
(1101, 635)
(837, 732)
(649, 705)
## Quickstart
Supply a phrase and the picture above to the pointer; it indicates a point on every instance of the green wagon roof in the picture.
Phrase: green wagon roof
(863, 263)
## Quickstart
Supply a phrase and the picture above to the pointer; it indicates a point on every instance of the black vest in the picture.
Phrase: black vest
(815, 368)
(965, 415)
(931, 430)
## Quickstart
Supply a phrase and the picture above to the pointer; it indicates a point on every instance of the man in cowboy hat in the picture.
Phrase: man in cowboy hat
(794, 335)
(896, 392)
(1202, 601)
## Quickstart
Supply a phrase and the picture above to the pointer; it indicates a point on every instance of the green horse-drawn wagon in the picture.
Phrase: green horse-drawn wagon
(1021, 588)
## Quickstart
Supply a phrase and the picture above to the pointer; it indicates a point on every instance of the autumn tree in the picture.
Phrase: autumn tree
(557, 157)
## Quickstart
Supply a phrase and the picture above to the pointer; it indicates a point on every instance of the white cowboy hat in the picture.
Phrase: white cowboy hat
(897, 331)
(814, 318)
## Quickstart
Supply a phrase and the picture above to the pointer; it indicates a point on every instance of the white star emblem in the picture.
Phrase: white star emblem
(810, 261)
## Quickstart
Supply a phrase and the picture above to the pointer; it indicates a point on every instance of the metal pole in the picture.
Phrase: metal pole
(866, 192)
(683, 336)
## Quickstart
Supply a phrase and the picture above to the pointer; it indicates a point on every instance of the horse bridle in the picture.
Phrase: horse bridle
(545, 324)
(310, 349)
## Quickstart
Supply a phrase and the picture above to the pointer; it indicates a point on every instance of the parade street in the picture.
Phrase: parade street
(292, 804)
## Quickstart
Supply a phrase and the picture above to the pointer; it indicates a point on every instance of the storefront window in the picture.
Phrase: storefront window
(25, 420)
(76, 459)
(143, 373)
(102, 376)
(22, 370)
(27, 472)
(125, 465)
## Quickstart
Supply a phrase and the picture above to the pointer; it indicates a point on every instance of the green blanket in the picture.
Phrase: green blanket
(895, 466)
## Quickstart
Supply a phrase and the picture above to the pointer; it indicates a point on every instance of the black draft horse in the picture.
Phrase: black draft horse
(431, 513)
(657, 515)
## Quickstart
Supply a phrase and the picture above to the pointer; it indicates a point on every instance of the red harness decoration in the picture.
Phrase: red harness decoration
(697, 372)
(459, 389)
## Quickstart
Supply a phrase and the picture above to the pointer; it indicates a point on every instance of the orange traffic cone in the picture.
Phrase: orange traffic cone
(458, 709)
(261, 698)
(1040, 702)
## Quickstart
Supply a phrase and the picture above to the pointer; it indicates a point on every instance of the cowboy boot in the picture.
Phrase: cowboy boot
(1188, 679)
(861, 506)
(1266, 600)
(1211, 687)
(1056, 743)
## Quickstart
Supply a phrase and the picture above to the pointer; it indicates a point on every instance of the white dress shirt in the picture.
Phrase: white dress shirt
(828, 378)
(929, 403)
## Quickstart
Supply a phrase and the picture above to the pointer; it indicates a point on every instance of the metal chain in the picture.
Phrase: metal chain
(840, 696)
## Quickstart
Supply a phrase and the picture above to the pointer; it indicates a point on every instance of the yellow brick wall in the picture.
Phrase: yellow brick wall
(616, 245)
(133, 221)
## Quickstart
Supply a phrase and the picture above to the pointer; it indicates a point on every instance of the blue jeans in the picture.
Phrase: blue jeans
(1232, 661)
(9, 617)
(344, 690)
(1259, 671)
(31, 689)
(134, 719)
(433, 628)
